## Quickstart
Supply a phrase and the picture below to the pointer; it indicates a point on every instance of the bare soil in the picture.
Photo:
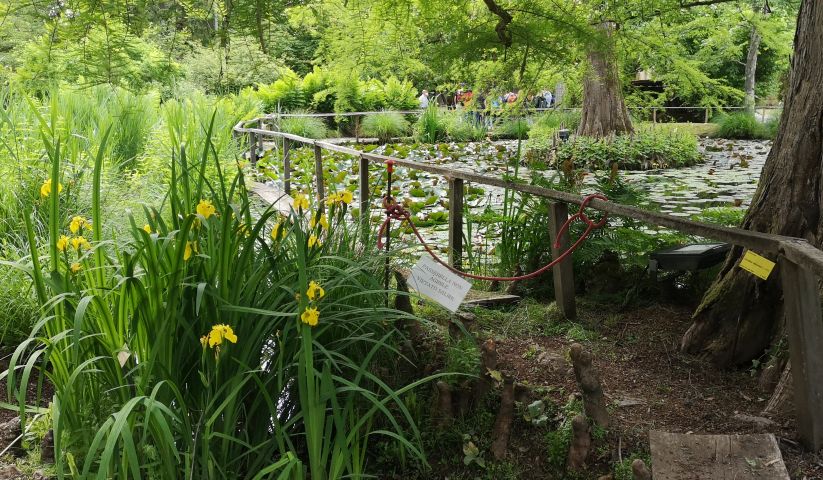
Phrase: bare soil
(649, 385)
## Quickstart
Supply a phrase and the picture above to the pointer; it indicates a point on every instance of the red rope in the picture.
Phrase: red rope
(395, 211)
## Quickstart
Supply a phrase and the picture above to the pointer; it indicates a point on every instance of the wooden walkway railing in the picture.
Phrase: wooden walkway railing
(799, 263)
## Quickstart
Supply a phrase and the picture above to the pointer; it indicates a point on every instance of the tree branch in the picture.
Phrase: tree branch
(502, 25)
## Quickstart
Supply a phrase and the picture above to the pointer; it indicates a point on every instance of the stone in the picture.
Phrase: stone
(554, 362)
(10, 434)
(761, 423)
(10, 472)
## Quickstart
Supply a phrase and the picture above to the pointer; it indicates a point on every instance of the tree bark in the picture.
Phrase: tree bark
(751, 69)
(604, 110)
(740, 313)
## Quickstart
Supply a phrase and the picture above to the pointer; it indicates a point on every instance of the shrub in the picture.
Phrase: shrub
(431, 126)
(399, 95)
(385, 126)
(310, 127)
(645, 149)
(744, 126)
(284, 95)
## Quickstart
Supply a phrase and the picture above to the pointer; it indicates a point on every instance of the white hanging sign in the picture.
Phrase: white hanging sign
(438, 283)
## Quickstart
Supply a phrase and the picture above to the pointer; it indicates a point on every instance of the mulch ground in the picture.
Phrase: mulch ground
(652, 384)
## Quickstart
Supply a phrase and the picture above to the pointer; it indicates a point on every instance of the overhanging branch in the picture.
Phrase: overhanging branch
(502, 27)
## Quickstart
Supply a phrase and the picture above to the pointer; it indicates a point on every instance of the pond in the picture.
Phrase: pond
(727, 178)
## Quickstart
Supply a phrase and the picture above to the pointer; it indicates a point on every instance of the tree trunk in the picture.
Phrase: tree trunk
(604, 111)
(751, 69)
(740, 313)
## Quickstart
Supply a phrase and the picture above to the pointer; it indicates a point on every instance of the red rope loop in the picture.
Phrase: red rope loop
(396, 211)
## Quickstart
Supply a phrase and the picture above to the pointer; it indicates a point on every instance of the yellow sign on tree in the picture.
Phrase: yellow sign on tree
(756, 264)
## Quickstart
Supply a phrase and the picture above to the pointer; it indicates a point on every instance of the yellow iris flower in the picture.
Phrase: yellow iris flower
(187, 253)
(310, 316)
(62, 243)
(278, 231)
(78, 243)
(219, 333)
(315, 291)
(206, 209)
(147, 228)
(340, 197)
(78, 222)
(313, 240)
(301, 202)
(45, 189)
(76, 267)
(322, 221)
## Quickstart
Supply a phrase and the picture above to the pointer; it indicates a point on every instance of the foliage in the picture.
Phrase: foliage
(740, 125)
(212, 70)
(463, 126)
(645, 149)
(623, 470)
(430, 126)
(726, 216)
(516, 128)
(200, 344)
(285, 94)
(309, 127)
(385, 126)
(462, 357)
(108, 54)
(545, 127)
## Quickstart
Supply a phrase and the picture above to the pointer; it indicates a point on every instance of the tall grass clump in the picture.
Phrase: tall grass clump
(431, 126)
(515, 128)
(462, 127)
(385, 126)
(211, 340)
(743, 126)
(309, 127)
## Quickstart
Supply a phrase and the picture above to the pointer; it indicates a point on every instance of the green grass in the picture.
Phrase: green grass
(309, 127)
(385, 126)
(744, 126)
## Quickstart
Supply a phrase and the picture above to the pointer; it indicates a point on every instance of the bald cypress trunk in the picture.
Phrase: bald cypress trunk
(604, 110)
(740, 314)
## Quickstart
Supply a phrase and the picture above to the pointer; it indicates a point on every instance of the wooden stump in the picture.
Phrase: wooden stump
(594, 403)
(580, 444)
(503, 423)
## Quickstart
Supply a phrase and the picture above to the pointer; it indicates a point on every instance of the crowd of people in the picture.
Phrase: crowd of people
(466, 98)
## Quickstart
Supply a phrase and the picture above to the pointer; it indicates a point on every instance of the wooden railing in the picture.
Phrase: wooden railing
(799, 263)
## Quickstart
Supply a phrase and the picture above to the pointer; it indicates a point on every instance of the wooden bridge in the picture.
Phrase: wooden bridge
(799, 263)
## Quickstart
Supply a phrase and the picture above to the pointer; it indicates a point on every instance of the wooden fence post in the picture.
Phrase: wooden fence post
(801, 304)
(318, 174)
(286, 166)
(706, 117)
(253, 148)
(456, 222)
(365, 204)
(654, 115)
(562, 273)
(260, 138)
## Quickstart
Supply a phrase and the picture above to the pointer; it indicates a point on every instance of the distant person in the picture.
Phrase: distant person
(548, 99)
(423, 99)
